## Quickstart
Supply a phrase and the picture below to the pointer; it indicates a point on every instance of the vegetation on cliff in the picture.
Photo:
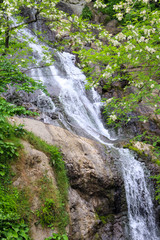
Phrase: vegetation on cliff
(130, 57)
(15, 209)
(14, 205)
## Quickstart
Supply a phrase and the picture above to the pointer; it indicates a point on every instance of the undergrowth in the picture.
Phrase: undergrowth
(86, 13)
(15, 213)
(13, 219)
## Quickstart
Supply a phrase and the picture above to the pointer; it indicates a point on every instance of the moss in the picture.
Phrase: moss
(157, 162)
(97, 237)
(105, 218)
(140, 152)
(52, 211)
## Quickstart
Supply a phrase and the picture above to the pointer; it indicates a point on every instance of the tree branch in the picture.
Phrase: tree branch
(31, 21)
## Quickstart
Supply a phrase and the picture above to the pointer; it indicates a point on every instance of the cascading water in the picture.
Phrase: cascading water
(82, 113)
(140, 207)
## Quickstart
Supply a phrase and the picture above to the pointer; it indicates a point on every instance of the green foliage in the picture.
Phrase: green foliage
(11, 75)
(153, 140)
(14, 231)
(8, 109)
(86, 13)
(8, 148)
(57, 236)
(19, 131)
(109, 9)
(12, 204)
(132, 56)
(157, 178)
(47, 213)
(9, 131)
(52, 212)
(106, 219)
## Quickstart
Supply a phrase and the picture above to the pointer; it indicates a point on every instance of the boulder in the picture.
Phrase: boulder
(76, 5)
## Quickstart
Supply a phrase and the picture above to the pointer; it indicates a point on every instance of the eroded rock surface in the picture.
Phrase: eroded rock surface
(76, 5)
(96, 195)
(30, 168)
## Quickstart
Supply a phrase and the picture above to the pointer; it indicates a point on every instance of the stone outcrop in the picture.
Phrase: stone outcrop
(96, 195)
(29, 169)
(76, 5)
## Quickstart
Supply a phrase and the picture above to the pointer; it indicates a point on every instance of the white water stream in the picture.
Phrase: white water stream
(85, 114)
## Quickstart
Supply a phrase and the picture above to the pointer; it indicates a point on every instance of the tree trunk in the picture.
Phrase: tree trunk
(7, 36)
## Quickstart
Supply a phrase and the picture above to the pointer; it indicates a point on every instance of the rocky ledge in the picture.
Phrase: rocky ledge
(97, 205)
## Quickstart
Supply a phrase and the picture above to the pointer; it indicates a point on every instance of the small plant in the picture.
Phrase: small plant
(2, 170)
(14, 231)
(57, 236)
(52, 212)
(19, 130)
(8, 109)
(47, 213)
(86, 13)
(9, 149)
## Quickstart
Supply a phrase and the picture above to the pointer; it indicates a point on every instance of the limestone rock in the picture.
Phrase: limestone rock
(96, 187)
(83, 217)
(33, 166)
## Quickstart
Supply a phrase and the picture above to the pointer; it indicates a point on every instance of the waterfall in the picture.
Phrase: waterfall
(140, 207)
(84, 113)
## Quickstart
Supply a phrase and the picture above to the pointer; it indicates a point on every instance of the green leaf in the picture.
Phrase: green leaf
(2, 173)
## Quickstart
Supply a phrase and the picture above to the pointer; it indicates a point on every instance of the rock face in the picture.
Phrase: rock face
(96, 195)
(29, 170)
(76, 5)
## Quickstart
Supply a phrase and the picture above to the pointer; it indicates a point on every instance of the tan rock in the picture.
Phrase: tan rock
(29, 169)
(83, 157)
(147, 149)
(95, 183)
